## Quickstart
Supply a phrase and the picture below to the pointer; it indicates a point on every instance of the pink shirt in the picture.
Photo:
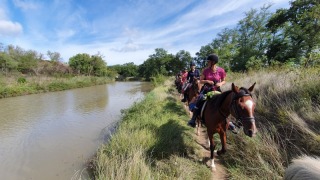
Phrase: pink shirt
(184, 76)
(214, 76)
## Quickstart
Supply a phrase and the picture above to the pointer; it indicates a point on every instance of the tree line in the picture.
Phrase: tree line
(262, 39)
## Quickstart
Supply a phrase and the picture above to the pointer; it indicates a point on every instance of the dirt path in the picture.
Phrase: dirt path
(202, 141)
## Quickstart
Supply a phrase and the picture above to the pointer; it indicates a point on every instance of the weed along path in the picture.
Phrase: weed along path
(203, 145)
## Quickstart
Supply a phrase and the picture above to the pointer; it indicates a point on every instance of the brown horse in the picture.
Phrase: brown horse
(193, 89)
(193, 92)
(239, 103)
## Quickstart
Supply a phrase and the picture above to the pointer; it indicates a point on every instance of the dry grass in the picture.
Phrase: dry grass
(287, 117)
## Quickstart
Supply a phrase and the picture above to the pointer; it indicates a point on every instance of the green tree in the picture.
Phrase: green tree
(7, 64)
(226, 47)
(181, 60)
(254, 38)
(27, 62)
(300, 26)
(80, 63)
(88, 65)
(203, 54)
(126, 70)
(158, 63)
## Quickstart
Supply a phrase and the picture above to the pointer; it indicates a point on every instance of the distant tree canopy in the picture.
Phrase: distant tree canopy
(126, 70)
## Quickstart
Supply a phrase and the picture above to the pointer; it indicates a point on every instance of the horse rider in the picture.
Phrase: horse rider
(213, 77)
(193, 73)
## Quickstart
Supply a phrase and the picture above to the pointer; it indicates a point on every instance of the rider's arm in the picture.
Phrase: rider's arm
(204, 81)
(222, 82)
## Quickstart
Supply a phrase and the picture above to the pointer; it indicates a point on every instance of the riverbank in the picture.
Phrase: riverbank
(152, 142)
(11, 86)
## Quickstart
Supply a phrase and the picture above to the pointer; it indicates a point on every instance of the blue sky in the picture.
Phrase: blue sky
(121, 30)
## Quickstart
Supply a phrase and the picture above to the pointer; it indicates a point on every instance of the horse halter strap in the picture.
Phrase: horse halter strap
(242, 93)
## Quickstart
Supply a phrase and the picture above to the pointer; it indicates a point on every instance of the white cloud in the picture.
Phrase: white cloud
(25, 5)
(8, 28)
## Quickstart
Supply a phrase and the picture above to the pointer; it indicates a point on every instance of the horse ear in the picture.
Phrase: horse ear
(251, 88)
(235, 88)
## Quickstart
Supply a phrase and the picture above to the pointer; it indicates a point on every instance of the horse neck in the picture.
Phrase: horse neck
(225, 107)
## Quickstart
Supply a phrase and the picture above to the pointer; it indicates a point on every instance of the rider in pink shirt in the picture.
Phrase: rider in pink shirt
(213, 77)
(184, 75)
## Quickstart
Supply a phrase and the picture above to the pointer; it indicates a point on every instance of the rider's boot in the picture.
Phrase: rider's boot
(232, 128)
(192, 121)
(184, 97)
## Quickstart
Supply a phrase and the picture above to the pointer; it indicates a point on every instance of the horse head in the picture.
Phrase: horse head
(196, 85)
(243, 109)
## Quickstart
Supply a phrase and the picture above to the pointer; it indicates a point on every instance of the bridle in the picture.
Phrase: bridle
(240, 119)
(233, 107)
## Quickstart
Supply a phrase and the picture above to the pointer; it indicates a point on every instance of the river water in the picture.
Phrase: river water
(53, 135)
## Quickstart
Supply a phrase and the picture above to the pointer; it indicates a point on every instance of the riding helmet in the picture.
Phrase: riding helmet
(192, 63)
(214, 58)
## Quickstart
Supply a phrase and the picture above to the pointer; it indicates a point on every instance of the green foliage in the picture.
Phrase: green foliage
(21, 80)
(159, 63)
(126, 70)
(88, 65)
(158, 80)
(299, 28)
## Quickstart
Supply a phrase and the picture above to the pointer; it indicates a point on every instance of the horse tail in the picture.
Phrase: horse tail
(303, 168)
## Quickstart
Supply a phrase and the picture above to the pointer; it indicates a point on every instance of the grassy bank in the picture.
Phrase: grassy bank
(152, 142)
(14, 85)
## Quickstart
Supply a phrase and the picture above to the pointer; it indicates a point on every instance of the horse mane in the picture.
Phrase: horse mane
(217, 100)
(303, 168)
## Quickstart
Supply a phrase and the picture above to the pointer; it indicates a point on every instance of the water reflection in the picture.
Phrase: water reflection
(51, 135)
(86, 100)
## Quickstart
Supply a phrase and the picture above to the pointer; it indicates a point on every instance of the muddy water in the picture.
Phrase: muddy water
(52, 135)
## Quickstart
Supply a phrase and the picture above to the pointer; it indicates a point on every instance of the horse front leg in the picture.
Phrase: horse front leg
(223, 139)
(198, 121)
(212, 147)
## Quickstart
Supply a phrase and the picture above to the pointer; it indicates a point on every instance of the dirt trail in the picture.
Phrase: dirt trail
(202, 141)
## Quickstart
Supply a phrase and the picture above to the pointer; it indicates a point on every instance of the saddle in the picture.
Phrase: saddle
(210, 95)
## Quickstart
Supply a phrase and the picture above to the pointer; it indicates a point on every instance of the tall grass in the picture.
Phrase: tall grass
(288, 120)
(17, 86)
(151, 142)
